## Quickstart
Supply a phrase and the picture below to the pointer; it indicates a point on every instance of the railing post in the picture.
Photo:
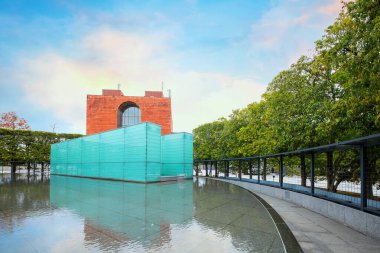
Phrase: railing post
(239, 169)
(281, 172)
(13, 168)
(250, 168)
(265, 169)
(303, 170)
(206, 169)
(228, 168)
(225, 169)
(216, 168)
(258, 169)
(312, 176)
(363, 177)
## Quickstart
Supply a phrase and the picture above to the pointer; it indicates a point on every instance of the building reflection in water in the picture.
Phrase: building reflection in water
(80, 215)
(119, 213)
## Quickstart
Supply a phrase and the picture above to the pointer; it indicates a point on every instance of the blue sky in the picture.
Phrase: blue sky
(215, 56)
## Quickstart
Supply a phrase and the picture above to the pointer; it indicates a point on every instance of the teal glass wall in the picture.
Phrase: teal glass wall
(177, 155)
(130, 153)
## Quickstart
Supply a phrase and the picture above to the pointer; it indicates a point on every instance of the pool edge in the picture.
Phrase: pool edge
(288, 239)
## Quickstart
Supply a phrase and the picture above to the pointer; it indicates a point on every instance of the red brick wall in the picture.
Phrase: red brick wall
(157, 94)
(102, 111)
(112, 93)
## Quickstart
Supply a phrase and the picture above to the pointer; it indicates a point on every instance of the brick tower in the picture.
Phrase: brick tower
(112, 110)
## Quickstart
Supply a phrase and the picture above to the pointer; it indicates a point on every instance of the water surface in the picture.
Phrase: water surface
(66, 214)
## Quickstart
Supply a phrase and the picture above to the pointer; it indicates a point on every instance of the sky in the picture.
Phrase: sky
(215, 56)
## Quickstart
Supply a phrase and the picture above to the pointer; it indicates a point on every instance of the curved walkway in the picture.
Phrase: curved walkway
(315, 232)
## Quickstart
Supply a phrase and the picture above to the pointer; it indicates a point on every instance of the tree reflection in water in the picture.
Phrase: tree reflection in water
(21, 197)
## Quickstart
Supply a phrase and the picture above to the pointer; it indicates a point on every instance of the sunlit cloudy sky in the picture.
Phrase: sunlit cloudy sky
(215, 56)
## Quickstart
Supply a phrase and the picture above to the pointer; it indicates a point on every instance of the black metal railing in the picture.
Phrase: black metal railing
(346, 172)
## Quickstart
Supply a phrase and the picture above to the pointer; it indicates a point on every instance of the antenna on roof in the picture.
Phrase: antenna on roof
(118, 86)
(162, 86)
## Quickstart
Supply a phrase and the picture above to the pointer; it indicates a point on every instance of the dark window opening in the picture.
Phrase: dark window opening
(129, 114)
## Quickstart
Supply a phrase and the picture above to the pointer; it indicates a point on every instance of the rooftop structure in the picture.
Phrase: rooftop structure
(113, 109)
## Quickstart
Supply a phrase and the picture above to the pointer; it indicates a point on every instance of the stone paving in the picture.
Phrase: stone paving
(316, 233)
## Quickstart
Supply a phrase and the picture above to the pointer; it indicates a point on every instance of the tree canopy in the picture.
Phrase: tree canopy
(331, 96)
(27, 146)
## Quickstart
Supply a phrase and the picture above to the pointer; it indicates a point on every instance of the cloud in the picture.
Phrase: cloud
(203, 97)
(97, 50)
(60, 83)
(55, 83)
(331, 9)
(288, 30)
(286, 18)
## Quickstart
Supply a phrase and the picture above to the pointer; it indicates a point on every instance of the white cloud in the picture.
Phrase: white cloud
(287, 20)
(60, 83)
(289, 30)
(138, 60)
(203, 97)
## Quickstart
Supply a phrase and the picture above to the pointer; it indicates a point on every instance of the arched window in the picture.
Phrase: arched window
(129, 114)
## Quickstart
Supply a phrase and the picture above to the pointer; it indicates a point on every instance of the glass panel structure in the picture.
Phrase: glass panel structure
(128, 153)
(177, 155)
(131, 116)
(135, 153)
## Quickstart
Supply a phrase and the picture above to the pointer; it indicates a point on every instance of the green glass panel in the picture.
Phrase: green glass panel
(134, 153)
(74, 151)
(135, 171)
(90, 148)
(135, 143)
(111, 170)
(111, 146)
(153, 171)
(177, 154)
(153, 143)
(89, 170)
(59, 153)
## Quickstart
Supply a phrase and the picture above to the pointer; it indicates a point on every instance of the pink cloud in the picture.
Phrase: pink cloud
(303, 19)
(287, 19)
(330, 9)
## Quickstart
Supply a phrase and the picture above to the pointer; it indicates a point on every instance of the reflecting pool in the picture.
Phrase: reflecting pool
(66, 214)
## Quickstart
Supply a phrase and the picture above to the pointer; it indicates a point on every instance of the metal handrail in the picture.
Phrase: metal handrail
(362, 144)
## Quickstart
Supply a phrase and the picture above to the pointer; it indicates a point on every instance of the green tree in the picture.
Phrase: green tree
(330, 97)
(207, 138)
(349, 53)
(26, 146)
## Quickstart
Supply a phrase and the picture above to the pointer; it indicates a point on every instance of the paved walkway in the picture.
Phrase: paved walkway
(317, 233)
